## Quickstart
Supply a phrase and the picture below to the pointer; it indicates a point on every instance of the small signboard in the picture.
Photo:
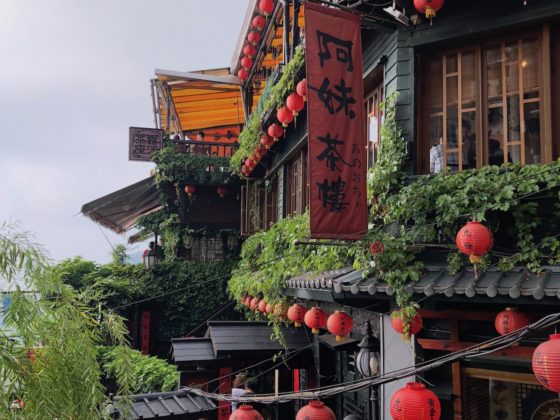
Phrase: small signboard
(143, 142)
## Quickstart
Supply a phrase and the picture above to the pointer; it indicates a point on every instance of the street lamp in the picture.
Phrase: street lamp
(367, 363)
(149, 257)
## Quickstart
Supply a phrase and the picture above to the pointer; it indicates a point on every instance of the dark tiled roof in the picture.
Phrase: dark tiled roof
(491, 283)
(241, 336)
(176, 404)
(192, 350)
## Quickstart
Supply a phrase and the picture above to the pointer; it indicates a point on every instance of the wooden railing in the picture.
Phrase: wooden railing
(206, 148)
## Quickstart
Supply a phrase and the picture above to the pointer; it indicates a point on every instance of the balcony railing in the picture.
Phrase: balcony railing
(206, 148)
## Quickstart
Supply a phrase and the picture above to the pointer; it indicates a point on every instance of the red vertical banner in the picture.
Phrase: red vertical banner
(145, 342)
(224, 387)
(335, 116)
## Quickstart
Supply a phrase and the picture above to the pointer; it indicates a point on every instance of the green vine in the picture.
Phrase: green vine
(511, 200)
(273, 95)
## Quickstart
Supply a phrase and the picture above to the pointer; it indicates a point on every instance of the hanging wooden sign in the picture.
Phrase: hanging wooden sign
(143, 142)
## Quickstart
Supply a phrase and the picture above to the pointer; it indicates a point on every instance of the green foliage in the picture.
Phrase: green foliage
(118, 255)
(272, 97)
(149, 374)
(76, 272)
(269, 258)
(49, 343)
(175, 167)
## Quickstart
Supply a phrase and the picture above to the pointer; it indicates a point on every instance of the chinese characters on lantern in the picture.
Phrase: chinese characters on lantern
(336, 127)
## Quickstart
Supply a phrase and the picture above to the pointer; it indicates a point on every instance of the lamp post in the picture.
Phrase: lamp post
(367, 363)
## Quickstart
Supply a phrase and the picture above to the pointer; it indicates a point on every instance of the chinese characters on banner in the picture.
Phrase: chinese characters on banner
(335, 114)
(143, 142)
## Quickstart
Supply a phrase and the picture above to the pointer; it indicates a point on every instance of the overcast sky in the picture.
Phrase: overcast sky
(74, 75)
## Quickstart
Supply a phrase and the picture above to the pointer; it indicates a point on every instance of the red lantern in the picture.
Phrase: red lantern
(280, 311)
(247, 301)
(315, 318)
(254, 37)
(415, 402)
(222, 191)
(266, 7)
(243, 74)
(267, 141)
(260, 152)
(315, 410)
(250, 51)
(340, 324)
(190, 190)
(296, 314)
(254, 303)
(414, 326)
(269, 309)
(275, 131)
(262, 306)
(376, 248)
(510, 320)
(475, 240)
(428, 7)
(301, 89)
(258, 22)
(284, 116)
(246, 63)
(294, 103)
(546, 363)
(245, 412)
(250, 163)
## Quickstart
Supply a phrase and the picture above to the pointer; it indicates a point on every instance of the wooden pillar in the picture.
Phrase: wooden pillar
(456, 376)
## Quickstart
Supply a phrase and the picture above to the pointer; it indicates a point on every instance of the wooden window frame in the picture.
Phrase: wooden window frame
(545, 101)
(296, 197)
(372, 103)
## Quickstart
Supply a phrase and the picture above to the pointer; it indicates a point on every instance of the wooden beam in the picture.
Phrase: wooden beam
(459, 315)
(524, 378)
(522, 352)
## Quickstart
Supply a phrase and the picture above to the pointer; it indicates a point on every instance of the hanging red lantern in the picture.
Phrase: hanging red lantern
(315, 410)
(510, 320)
(254, 303)
(376, 248)
(546, 363)
(340, 324)
(250, 163)
(266, 7)
(275, 131)
(294, 103)
(258, 22)
(301, 89)
(280, 311)
(262, 306)
(475, 240)
(250, 51)
(222, 191)
(254, 37)
(296, 314)
(414, 326)
(245, 412)
(284, 116)
(269, 308)
(243, 74)
(266, 141)
(415, 402)
(247, 301)
(260, 152)
(246, 63)
(190, 190)
(428, 7)
(315, 318)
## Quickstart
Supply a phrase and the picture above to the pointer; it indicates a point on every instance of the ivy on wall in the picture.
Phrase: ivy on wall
(406, 217)
(273, 96)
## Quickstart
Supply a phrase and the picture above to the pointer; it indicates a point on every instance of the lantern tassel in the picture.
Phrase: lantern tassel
(314, 330)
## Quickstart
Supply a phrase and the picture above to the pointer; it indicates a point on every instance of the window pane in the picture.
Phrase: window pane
(494, 74)
(513, 118)
(468, 80)
(514, 153)
(495, 136)
(468, 122)
(532, 133)
(435, 87)
(531, 67)
(452, 161)
(451, 63)
(512, 67)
